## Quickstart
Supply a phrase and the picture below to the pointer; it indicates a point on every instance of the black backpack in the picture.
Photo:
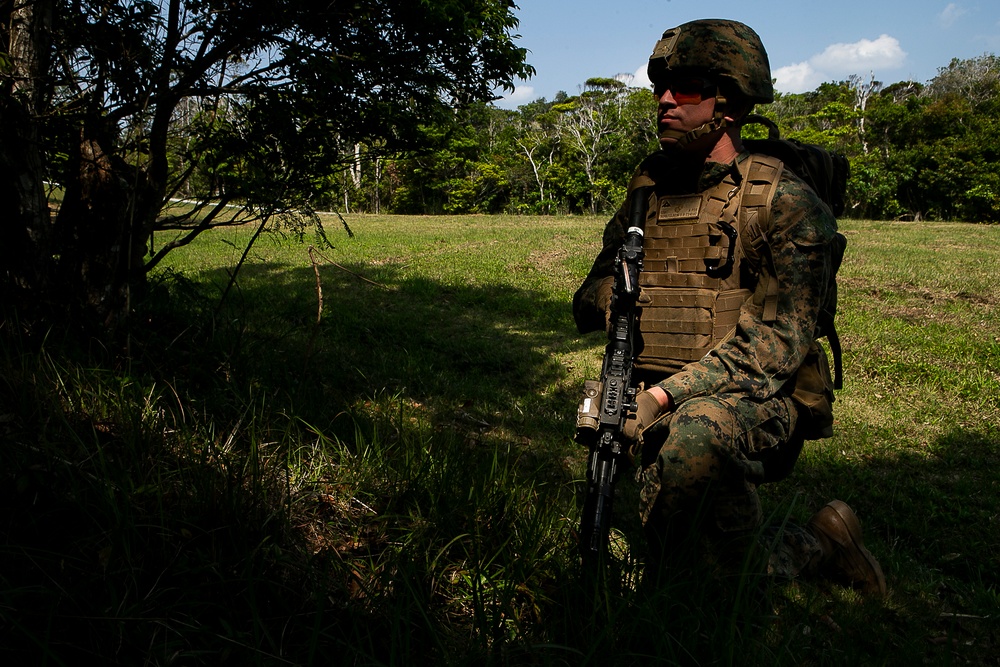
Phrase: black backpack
(826, 173)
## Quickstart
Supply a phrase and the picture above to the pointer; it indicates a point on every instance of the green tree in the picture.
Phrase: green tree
(827, 117)
(950, 149)
(589, 123)
(538, 140)
(91, 94)
(876, 174)
(605, 132)
(461, 171)
(974, 79)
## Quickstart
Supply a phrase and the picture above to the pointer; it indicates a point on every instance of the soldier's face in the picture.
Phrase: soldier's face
(683, 104)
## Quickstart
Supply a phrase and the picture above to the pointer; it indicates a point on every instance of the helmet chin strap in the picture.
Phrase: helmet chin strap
(718, 122)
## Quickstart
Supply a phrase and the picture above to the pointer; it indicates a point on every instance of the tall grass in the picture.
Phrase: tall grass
(364, 456)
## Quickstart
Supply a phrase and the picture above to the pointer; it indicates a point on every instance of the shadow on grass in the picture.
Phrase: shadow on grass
(385, 487)
(431, 422)
(937, 503)
(930, 516)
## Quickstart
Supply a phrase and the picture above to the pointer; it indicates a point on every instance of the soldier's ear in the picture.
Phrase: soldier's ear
(737, 111)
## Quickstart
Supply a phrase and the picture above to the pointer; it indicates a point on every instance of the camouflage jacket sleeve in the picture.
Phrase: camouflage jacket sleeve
(761, 355)
(588, 312)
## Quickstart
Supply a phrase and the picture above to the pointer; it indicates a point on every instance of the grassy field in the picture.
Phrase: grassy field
(364, 456)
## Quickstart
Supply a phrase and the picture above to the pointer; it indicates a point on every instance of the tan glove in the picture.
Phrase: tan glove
(648, 409)
(603, 299)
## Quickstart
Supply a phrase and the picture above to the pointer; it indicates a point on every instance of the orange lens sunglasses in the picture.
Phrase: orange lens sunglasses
(686, 90)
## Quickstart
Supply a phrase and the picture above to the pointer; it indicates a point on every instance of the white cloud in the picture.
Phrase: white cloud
(838, 61)
(639, 78)
(950, 14)
(863, 55)
(797, 78)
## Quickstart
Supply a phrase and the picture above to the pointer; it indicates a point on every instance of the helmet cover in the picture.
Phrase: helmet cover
(727, 50)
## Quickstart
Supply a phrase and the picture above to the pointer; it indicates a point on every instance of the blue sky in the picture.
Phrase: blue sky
(808, 42)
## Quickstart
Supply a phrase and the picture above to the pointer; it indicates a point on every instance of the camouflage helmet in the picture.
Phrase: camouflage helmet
(728, 50)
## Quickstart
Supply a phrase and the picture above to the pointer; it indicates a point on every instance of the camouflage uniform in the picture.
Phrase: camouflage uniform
(733, 426)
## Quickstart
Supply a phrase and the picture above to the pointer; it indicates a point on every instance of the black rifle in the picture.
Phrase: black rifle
(607, 403)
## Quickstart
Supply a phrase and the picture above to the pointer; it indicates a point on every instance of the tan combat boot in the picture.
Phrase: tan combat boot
(844, 554)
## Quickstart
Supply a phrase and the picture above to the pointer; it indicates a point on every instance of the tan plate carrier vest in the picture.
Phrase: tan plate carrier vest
(683, 311)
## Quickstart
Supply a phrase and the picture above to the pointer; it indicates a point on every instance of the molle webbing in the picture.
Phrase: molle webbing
(755, 216)
(684, 312)
(682, 325)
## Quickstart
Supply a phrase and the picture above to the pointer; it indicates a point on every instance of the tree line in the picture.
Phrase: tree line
(115, 109)
(917, 150)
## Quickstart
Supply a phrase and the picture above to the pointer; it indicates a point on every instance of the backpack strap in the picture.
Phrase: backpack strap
(828, 321)
(760, 184)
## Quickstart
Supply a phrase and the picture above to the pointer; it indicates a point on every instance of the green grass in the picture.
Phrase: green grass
(378, 469)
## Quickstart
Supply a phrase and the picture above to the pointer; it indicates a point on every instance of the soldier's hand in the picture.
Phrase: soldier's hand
(603, 300)
(648, 409)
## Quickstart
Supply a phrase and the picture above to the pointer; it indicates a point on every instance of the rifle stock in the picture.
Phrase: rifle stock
(607, 403)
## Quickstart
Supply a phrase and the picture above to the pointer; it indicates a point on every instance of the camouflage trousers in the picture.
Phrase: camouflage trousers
(702, 463)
